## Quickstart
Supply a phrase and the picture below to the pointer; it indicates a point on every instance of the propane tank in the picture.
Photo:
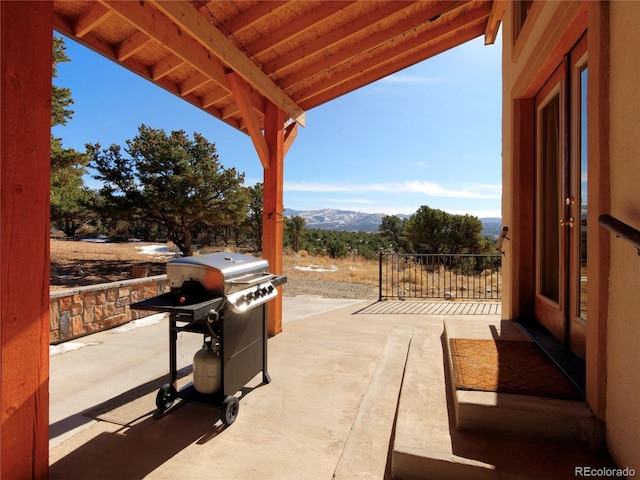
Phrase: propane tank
(207, 371)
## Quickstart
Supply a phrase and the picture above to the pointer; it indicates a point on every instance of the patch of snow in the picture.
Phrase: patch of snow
(156, 249)
(69, 347)
(94, 240)
(316, 268)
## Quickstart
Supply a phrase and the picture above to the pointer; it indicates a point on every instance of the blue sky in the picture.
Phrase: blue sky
(428, 135)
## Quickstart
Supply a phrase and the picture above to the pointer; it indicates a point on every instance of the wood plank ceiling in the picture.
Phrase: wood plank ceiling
(229, 57)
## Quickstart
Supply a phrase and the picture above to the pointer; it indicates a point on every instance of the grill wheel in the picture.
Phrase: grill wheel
(230, 407)
(165, 398)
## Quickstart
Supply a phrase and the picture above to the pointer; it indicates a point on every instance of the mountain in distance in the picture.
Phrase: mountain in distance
(331, 219)
(350, 221)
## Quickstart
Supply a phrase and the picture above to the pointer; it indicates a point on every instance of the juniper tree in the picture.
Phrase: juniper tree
(171, 179)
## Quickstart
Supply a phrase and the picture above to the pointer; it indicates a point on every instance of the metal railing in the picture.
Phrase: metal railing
(465, 276)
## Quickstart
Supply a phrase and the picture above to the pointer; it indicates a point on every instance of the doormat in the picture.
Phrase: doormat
(505, 366)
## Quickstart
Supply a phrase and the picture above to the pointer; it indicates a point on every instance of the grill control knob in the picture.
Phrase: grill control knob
(270, 289)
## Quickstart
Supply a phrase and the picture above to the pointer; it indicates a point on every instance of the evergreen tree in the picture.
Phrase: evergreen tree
(295, 227)
(70, 199)
(172, 180)
(254, 217)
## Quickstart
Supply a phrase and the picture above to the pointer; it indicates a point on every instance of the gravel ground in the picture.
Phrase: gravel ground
(328, 289)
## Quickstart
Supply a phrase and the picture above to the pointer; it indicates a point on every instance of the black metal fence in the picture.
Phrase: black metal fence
(469, 276)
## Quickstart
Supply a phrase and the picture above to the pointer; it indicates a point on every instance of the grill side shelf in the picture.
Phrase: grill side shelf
(279, 280)
(170, 302)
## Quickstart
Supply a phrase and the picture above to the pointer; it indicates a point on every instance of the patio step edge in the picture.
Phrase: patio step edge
(519, 416)
(422, 443)
(367, 447)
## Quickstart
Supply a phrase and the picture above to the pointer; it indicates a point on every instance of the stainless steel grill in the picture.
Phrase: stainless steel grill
(222, 296)
(243, 280)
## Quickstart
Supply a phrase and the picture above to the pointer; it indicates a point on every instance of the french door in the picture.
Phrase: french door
(561, 201)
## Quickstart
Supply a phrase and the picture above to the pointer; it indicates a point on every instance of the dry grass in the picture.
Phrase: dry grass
(350, 269)
(75, 263)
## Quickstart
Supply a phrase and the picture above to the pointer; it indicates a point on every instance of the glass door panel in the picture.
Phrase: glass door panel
(578, 173)
(550, 264)
(548, 215)
(560, 301)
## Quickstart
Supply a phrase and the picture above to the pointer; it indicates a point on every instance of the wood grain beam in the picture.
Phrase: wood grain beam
(163, 30)
(94, 16)
(373, 66)
(290, 134)
(194, 23)
(493, 24)
(373, 71)
(300, 25)
(25, 150)
(273, 208)
(193, 83)
(213, 97)
(345, 54)
(132, 45)
(165, 66)
(241, 93)
(252, 16)
(63, 26)
(350, 29)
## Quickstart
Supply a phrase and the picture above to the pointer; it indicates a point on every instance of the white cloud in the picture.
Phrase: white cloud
(412, 186)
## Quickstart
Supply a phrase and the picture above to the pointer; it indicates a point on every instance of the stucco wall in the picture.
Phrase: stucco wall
(623, 327)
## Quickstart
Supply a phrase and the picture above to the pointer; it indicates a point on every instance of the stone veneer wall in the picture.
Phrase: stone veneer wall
(84, 310)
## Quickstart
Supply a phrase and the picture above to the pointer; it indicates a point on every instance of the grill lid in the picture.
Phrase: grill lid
(219, 273)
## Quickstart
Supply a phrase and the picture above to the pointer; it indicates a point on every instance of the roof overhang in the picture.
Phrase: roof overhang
(230, 58)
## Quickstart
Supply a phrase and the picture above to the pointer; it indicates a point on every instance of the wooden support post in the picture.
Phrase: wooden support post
(25, 54)
(273, 207)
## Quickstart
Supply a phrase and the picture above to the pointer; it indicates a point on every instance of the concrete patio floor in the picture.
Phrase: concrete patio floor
(329, 412)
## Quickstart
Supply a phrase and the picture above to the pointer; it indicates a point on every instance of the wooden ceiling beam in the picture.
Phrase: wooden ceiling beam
(193, 83)
(132, 45)
(65, 27)
(300, 25)
(194, 23)
(89, 40)
(163, 30)
(241, 93)
(213, 97)
(94, 16)
(422, 36)
(345, 54)
(165, 66)
(493, 24)
(251, 16)
(346, 31)
(290, 134)
(377, 71)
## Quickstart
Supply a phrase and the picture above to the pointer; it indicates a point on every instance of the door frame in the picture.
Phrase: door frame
(561, 315)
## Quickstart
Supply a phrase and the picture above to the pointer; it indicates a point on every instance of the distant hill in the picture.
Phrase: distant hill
(346, 220)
